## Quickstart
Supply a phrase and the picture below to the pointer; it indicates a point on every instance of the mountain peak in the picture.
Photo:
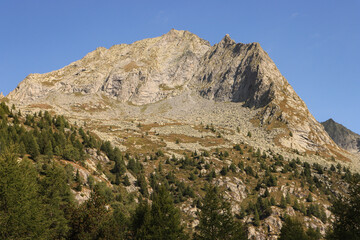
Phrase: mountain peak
(342, 136)
(226, 40)
(330, 120)
(174, 32)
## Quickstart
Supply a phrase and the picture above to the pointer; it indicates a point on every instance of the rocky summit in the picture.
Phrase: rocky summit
(344, 137)
(180, 78)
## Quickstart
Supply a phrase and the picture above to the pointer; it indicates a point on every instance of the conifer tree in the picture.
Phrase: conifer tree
(216, 219)
(22, 213)
(91, 219)
(292, 230)
(161, 221)
(31, 145)
(283, 202)
(166, 221)
(347, 214)
(256, 217)
(58, 200)
(140, 223)
(288, 199)
(48, 151)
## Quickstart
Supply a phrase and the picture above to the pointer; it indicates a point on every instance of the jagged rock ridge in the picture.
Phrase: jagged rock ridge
(344, 137)
(155, 69)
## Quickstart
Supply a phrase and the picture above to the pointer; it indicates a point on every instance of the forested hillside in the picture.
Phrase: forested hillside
(59, 181)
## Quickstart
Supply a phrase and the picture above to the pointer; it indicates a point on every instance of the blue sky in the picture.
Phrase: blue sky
(315, 44)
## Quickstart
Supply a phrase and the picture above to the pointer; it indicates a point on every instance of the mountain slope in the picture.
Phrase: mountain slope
(173, 70)
(143, 72)
(344, 137)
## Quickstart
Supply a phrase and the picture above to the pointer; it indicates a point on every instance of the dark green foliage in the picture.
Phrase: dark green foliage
(313, 234)
(141, 182)
(241, 165)
(270, 181)
(288, 199)
(192, 176)
(237, 147)
(71, 153)
(267, 193)
(224, 171)
(119, 166)
(141, 221)
(91, 181)
(263, 208)
(79, 181)
(58, 200)
(134, 166)
(317, 211)
(256, 220)
(232, 167)
(249, 171)
(347, 215)
(159, 153)
(31, 145)
(296, 205)
(93, 221)
(309, 198)
(292, 230)
(283, 202)
(22, 212)
(272, 201)
(216, 219)
(126, 181)
(211, 176)
(160, 221)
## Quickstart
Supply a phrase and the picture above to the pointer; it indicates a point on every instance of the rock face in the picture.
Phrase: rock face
(344, 137)
(179, 62)
(141, 73)
(239, 73)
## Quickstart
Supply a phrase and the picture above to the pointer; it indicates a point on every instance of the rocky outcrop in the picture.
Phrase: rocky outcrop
(239, 73)
(344, 137)
(143, 72)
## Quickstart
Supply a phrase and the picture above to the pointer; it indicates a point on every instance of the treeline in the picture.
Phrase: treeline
(43, 134)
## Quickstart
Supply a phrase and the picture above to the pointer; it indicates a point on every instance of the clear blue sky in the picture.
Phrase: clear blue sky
(315, 44)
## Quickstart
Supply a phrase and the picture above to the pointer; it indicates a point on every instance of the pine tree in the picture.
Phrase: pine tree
(126, 181)
(79, 181)
(347, 215)
(22, 213)
(216, 219)
(91, 219)
(48, 151)
(292, 230)
(166, 221)
(272, 201)
(296, 205)
(283, 202)
(141, 221)
(267, 193)
(256, 218)
(58, 200)
(31, 145)
(288, 199)
(309, 198)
